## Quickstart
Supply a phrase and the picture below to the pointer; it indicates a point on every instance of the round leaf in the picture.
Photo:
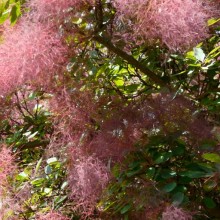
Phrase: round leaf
(169, 187)
(209, 203)
(178, 198)
(48, 170)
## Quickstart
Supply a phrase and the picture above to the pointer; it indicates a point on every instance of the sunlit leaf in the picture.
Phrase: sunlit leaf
(199, 54)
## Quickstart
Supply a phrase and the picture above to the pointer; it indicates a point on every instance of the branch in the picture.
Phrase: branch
(130, 59)
(99, 14)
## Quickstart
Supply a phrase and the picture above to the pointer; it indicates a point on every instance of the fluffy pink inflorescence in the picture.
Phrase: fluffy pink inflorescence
(52, 216)
(174, 213)
(179, 24)
(71, 118)
(30, 51)
(8, 203)
(8, 206)
(7, 166)
(50, 9)
(118, 134)
(128, 127)
(87, 178)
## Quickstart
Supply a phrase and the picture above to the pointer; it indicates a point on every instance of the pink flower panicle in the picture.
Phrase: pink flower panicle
(7, 169)
(175, 213)
(87, 179)
(7, 166)
(179, 24)
(52, 216)
(30, 51)
(71, 118)
(118, 134)
(130, 126)
(56, 9)
(8, 207)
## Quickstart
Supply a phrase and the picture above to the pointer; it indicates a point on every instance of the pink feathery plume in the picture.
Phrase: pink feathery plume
(52, 216)
(173, 213)
(29, 52)
(179, 24)
(87, 179)
(7, 166)
(56, 9)
(7, 169)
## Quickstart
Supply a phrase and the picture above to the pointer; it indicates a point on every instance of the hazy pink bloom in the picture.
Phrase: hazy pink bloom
(71, 118)
(174, 114)
(87, 178)
(58, 9)
(175, 213)
(8, 207)
(162, 113)
(52, 216)
(7, 166)
(118, 134)
(179, 24)
(30, 51)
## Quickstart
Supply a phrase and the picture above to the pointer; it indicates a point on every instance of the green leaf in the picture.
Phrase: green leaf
(194, 174)
(177, 198)
(132, 88)
(52, 160)
(47, 190)
(132, 172)
(210, 185)
(150, 172)
(212, 21)
(22, 176)
(199, 54)
(38, 181)
(119, 82)
(163, 157)
(180, 188)
(169, 187)
(214, 50)
(178, 151)
(14, 14)
(184, 180)
(38, 165)
(125, 209)
(60, 199)
(190, 55)
(7, 4)
(64, 185)
(212, 157)
(32, 135)
(166, 174)
(209, 203)
(48, 169)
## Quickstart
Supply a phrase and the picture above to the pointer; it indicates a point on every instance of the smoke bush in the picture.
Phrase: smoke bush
(118, 134)
(7, 169)
(128, 126)
(87, 178)
(52, 216)
(29, 51)
(171, 114)
(72, 111)
(8, 206)
(174, 213)
(7, 166)
(58, 9)
(176, 23)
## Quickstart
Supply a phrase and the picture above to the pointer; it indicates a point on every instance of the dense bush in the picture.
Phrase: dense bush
(109, 109)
